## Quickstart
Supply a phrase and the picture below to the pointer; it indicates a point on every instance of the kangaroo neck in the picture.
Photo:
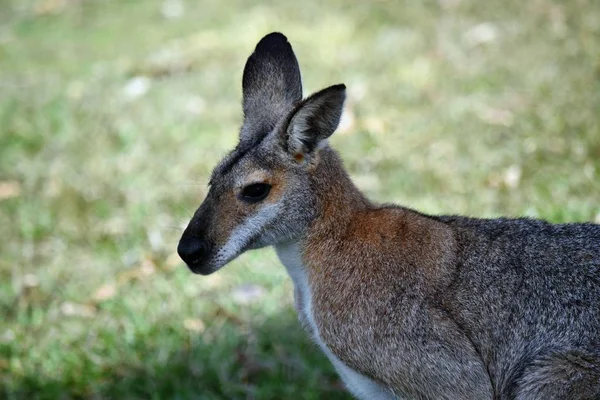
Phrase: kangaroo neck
(337, 198)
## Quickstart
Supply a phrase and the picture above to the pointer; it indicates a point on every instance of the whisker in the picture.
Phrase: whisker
(174, 228)
(191, 183)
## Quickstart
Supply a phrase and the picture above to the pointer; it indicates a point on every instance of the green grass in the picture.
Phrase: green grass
(456, 106)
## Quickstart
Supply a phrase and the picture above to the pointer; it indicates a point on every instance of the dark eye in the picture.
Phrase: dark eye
(255, 192)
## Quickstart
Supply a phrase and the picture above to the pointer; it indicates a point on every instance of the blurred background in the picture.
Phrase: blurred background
(113, 113)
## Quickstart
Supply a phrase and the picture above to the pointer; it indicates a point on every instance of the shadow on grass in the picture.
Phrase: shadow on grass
(273, 360)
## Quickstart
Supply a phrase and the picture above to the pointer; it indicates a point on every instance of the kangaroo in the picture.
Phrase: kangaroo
(405, 305)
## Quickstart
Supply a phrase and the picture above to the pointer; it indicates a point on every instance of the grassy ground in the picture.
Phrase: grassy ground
(112, 114)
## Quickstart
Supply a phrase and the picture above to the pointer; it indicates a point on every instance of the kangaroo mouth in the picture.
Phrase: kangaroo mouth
(201, 268)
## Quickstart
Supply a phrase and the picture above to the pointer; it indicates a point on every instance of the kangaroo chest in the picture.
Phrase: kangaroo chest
(290, 256)
(360, 385)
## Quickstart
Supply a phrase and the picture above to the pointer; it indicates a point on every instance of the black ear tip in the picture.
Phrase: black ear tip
(337, 90)
(273, 42)
(275, 36)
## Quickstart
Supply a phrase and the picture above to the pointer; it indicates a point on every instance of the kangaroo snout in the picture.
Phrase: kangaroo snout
(194, 252)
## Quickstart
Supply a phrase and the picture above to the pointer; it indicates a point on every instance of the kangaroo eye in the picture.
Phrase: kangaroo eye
(255, 192)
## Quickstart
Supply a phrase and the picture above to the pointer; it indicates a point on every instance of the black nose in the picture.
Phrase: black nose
(192, 250)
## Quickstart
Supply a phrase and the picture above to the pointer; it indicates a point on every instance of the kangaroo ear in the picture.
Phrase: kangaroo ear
(271, 85)
(315, 119)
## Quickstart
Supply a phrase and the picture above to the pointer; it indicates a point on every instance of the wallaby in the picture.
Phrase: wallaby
(405, 305)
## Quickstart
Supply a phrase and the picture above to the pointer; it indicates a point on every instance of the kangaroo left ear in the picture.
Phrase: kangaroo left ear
(314, 120)
(271, 85)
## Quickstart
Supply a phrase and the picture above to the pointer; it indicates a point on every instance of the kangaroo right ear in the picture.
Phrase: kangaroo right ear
(314, 120)
(271, 85)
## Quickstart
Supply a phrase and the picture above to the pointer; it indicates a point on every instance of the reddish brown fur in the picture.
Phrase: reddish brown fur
(349, 295)
(230, 211)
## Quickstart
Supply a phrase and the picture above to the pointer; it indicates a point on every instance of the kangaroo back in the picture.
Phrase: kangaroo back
(538, 286)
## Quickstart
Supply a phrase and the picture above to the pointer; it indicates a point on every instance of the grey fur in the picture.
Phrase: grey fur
(528, 294)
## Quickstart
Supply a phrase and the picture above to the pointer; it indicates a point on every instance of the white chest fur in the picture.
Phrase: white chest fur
(361, 386)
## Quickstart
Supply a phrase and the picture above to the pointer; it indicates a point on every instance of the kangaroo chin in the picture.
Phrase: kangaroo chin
(405, 305)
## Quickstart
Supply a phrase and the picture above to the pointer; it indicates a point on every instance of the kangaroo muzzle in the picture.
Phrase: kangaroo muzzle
(194, 251)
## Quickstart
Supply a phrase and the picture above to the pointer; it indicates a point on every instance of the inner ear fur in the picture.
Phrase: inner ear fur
(314, 120)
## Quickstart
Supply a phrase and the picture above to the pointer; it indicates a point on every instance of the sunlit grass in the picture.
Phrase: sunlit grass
(112, 115)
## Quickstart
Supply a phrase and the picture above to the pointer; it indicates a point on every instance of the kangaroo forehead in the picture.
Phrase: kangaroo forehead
(242, 151)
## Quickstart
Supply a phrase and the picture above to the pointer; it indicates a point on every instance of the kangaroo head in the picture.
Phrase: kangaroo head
(260, 193)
